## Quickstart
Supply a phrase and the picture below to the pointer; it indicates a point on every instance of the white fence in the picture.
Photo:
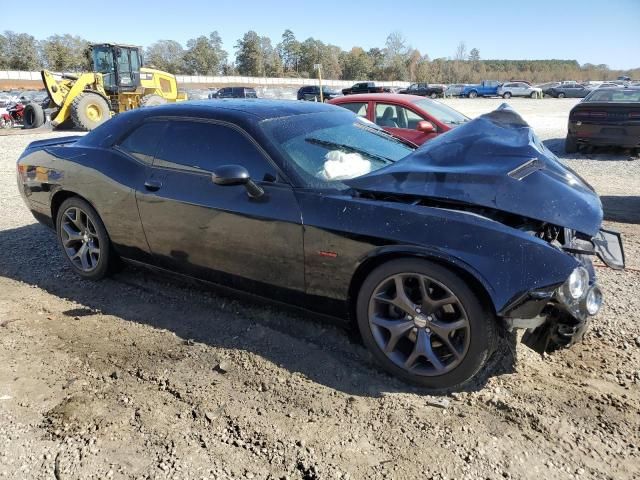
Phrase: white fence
(185, 80)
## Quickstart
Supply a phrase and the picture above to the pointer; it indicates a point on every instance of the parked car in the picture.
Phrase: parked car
(546, 87)
(486, 88)
(312, 93)
(454, 90)
(569, 90)
(607, 116)
(410, 117)
(236, 92)
(515, 80)
(424, 250)
(424, 90)
(365, 87)
(517, 89)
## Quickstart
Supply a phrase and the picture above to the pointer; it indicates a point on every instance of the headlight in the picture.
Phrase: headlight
(593, 302)
(578, 283)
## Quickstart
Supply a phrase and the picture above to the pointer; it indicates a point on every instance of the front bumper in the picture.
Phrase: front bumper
(552, 318)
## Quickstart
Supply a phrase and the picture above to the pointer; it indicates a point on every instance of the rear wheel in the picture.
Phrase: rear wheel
(506, 95)
(473, 94)
(33, 116)
(89, 110)
(570, 144)
(424, 324)
(561, 95)
(152, 100)
(433, 95)
(533, 95)
(83, 239)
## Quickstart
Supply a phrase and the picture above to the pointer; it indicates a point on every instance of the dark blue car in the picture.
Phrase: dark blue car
(433, 253)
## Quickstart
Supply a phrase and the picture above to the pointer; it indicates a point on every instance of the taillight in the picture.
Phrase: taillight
(588, 114)
(634, 115)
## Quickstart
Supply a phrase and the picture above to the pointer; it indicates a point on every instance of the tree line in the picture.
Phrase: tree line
(257, 55)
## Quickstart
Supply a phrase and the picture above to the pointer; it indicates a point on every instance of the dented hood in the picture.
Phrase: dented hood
(494, 161)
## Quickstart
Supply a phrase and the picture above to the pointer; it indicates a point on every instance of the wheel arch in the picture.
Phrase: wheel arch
(58, 199)
(385, 254)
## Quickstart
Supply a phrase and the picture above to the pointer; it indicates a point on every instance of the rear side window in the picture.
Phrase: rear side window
(143, 142)
(359, 108)
(199, 146)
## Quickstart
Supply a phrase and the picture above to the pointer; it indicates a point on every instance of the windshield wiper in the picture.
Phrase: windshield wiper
(348, 148)
(387, 135)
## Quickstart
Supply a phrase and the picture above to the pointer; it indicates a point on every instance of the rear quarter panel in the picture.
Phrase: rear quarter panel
(105, 178)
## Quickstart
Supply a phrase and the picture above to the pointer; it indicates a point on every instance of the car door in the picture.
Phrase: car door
(216, 232)
(580, 91)
(402, 122)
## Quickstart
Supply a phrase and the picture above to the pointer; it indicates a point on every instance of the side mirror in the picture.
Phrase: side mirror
(425, 127)
(227, 175)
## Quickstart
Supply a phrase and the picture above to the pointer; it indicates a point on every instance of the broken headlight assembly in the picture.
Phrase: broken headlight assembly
(578, 295)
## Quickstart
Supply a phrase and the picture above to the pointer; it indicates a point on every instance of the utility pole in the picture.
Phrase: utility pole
(318, 66)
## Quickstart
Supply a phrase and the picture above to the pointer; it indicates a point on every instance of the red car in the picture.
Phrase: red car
(410, 117)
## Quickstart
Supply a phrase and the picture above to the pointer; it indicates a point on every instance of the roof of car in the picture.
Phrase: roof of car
(256, 107)
(375, 97)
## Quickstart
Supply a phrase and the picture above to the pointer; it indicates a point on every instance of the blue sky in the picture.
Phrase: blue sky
(587, 30)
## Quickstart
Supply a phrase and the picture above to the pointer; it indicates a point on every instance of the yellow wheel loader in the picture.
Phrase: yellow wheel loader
(118, 83)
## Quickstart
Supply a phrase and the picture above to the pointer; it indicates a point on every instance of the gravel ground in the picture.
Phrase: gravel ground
(143, 377)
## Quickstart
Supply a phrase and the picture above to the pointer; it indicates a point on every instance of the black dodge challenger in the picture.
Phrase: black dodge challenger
(432, 252)
(608, 116)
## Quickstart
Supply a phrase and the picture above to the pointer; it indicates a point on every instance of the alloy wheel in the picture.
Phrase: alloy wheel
(80, 239)
(419, 324)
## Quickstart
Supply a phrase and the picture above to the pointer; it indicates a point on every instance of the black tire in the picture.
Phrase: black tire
(89, 110)
(482, 324)
(106, 260)
(33, 116)
(152, 100)
(533, 95)
(433, 95)
(570, 144)
(506, 95)
(473, 94)
(561, 95)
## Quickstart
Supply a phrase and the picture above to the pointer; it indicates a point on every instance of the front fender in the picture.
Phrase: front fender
(507, 262)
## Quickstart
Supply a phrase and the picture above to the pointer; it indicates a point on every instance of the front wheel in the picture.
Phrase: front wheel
(561, 95)
(89, 110)
(424, 324)
(83, 239)
(473, 94)
(506, 95)
(433, 95)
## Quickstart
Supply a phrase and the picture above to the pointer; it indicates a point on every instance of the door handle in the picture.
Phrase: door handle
(152, 185)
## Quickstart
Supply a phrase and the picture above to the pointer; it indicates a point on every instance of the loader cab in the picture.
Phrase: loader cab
(119, 66)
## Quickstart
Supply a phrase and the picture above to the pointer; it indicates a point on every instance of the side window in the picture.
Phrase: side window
(200, 146)
(387, 115)
(142, 143)
(359, 108)
(395, 116)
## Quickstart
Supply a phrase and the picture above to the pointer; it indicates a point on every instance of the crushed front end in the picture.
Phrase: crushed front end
(558, 316)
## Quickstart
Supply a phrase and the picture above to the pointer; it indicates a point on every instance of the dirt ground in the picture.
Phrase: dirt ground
(145, 377)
